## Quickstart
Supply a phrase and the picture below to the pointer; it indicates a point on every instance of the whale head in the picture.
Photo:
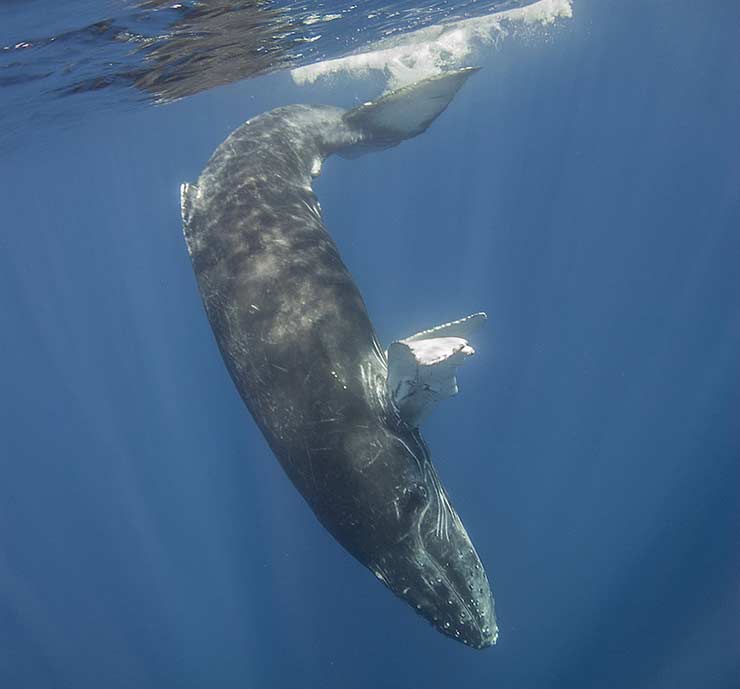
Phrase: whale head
(433, 565)
(401, 525)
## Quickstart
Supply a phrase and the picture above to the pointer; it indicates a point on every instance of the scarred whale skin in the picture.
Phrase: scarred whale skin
(297, 340)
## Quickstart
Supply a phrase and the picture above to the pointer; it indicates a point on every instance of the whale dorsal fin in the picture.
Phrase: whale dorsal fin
(421, 368)
(188, 194)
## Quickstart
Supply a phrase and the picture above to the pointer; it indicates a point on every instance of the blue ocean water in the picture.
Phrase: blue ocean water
(583, 189)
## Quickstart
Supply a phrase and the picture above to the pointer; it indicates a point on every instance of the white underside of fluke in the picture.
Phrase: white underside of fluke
(422, 368)
(402, 114)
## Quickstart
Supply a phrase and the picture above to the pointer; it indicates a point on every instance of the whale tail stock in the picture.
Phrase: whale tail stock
(382, 123)
(403, 113)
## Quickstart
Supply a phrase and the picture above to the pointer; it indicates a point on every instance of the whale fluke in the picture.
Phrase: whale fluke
(404, 113)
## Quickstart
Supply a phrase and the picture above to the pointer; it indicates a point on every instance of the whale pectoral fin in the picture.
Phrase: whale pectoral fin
(421, 368)
(403, 113)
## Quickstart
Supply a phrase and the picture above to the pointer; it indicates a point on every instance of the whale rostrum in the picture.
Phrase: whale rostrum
(340, 414)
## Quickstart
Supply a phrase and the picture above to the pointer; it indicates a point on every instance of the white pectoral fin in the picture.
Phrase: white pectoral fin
(421, 368)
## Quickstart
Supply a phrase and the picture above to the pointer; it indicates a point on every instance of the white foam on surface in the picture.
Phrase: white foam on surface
(420, 54)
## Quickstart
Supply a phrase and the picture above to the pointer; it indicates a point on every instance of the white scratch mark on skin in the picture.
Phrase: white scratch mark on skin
(375, 457)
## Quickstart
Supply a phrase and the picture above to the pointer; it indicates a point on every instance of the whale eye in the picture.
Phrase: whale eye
(414, 496)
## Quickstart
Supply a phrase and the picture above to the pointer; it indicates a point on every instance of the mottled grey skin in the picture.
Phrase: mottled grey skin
(297, 340)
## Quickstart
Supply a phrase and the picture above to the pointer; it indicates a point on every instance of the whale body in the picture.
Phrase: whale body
(340, 414)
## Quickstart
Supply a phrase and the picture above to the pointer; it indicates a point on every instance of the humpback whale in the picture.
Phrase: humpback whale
(339, 412)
